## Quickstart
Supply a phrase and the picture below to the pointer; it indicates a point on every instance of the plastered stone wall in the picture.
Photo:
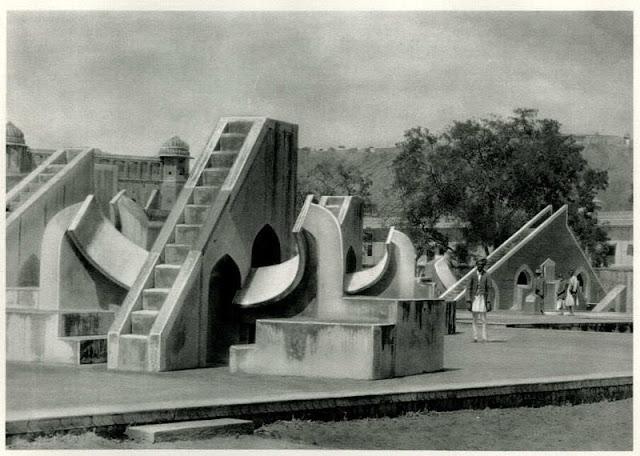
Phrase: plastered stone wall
(266, 197)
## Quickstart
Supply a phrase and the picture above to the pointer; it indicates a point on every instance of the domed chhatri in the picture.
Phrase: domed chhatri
(174, 155)
(174, 147)
(15, 137)
(19, 161)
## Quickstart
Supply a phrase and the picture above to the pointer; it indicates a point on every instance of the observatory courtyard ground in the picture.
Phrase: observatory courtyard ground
(518, 367)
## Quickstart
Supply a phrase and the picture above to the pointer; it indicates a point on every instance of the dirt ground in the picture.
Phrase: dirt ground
(599, 426)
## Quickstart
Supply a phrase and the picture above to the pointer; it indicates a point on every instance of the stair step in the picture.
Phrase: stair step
(44, 177)
(14, 204)
(134, 350)
(205, 194)
(142, 321)
(154, 298)
(238, 127)
(176, 253)
(231, 141)
(214, 176)
(54, 168)
(33, 187)
(187, 234)
(189, 430)
(195, 213)
(223, 159)
(165, 275)
(24, 196)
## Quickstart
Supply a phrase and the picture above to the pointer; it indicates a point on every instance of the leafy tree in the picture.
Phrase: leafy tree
(332, 176)
(494, 174)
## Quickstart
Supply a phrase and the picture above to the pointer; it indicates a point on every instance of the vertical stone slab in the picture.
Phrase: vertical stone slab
(324, 227)
(550, 295)
(419, 345)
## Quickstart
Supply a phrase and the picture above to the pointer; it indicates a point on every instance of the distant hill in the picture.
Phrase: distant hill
(600, 151)
(612, 154)
(375, 163)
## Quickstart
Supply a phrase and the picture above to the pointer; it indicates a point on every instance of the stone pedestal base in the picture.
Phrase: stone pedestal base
(411, 342)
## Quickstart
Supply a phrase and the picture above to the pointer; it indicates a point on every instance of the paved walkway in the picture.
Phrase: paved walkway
(512, 356)
(505, 317)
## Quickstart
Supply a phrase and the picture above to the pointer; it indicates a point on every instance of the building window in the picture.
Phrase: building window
(369, 249)
(611, 254)
(630, 250)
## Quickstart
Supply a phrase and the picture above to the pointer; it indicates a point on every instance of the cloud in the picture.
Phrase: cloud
(126, 81)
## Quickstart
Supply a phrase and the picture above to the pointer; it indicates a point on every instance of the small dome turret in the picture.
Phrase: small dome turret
(15, 137)
(174, 147)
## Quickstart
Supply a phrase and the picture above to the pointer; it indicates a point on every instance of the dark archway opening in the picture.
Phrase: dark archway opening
(351, 261)
(224, 325)
(266, 248)
(523, 278)
(582, 297)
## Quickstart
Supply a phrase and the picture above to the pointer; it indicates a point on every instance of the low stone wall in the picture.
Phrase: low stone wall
(49, 336)
(613, 276)
(534, 394)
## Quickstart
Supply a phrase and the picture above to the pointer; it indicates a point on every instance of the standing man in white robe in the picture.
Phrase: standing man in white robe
(478, 299)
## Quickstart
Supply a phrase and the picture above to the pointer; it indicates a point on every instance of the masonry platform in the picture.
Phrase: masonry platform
(518, 367)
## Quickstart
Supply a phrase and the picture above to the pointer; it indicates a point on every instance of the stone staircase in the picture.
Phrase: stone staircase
(162, 322)
(45, 172)
(187, 229)
(456, 292)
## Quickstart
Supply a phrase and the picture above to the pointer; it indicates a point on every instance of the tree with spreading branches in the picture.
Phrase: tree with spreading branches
(493, 175)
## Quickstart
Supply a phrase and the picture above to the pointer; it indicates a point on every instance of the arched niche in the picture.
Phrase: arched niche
(585, 286)
(223, 319)
(265, 250)
(351, 262)
(522, 284)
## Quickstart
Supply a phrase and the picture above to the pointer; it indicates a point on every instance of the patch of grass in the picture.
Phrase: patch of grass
(91, 440)
(599, 426)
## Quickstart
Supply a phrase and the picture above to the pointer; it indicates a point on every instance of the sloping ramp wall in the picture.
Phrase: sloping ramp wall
(456, 291)
(612, 276)
(553, 239)
(67, 280)
(108, 250)
(25, 225)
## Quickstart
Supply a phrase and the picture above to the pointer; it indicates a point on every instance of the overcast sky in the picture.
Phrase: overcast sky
(127, 81)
